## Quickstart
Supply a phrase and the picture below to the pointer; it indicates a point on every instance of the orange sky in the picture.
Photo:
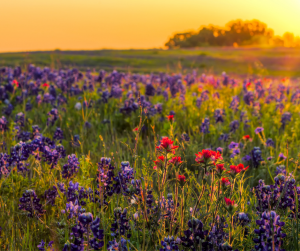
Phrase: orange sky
(122, 24)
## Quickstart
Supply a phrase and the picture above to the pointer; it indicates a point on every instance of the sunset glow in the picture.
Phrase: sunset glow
(118, 24)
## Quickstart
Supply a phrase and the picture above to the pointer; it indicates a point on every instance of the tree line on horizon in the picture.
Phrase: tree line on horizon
(235, 33)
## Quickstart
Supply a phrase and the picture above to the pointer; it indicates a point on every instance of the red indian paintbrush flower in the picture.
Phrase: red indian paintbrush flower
(45, 85)
(170, 117)
(176, 161)
(181, 179)
(159, 162)
(205, 155)
(247, 138)
(220, 168)
(15, 82)
(166, 144)
(229, 202)
(237, 169)
(225, 181)
(135, 129)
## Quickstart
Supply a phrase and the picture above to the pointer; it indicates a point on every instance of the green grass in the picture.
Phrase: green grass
(283, 62)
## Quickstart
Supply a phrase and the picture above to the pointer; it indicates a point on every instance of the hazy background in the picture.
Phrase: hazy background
(28, 25)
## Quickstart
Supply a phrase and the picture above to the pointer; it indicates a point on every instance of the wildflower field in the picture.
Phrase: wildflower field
(126, 161)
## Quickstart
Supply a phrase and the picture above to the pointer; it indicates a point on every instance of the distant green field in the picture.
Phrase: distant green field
(242, 61)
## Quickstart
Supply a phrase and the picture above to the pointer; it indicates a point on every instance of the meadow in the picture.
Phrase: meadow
(170, 160)
(275, 62)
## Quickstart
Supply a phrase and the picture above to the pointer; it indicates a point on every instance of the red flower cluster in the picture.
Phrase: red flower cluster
(237, 169)
(166, 144)
(45, 85)
(225, 181)
(220, 168)
(170, 117)
(135, 129)
(181, 178)
(205, 155)
(15, 82)
(247, 137)
(176, 161)
(229, 202)
(159, 162)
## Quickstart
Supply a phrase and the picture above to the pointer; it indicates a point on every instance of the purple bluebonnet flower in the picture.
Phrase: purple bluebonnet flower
(281, 156)
(235, 103)
(85, 218)
(53, 116)
(256, 156)
(4, 165)
(120, 226)
(246, 158)
(224, 137)
(270, 143)
(285, 118)
(258, 130)
(195, 235)
(3, 124)
(150, 90)
(219, 113)
(269, 232)
(169, 243)
(58, 134)
(280, 170)
(71, 167)
(41, 246)
(269, 158)
(219, 149)
(249, 98)
(51, 195)
(73, 209)
(20, 119)
(233, 145)
(97, 242)
(8, 110)
(185, 137)
(35, 130)
(204, 128)
(234, 125)
(114, 245)
(31, 203)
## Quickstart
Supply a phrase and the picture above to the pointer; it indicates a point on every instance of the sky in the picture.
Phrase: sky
(28, 25)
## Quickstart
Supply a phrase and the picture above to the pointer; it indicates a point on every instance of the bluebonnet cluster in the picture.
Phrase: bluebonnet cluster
(235, 103)
(20, 119)
(53, 116)
(4, 165)
(105, 179)
(169, 243)
(249, 98)
(71, 168)
(42, 244)
(185, 137)
(281, 194)
(31, 203)
(120, 246)
(120, 225)
(270, 143)
(285, 118)
(234, 125)
(235, 150)
(58, 134)
(51, 195)
(204, 128)
(219, 115)
(256, 157)
(3, 124)
(269, 234)
(97, 242)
